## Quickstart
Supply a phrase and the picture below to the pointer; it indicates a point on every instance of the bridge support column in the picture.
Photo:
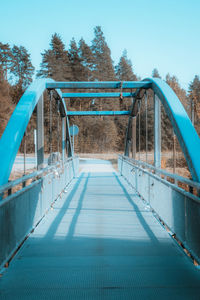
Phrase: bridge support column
(63, 138)
(70, 151)
(128, 138)
(40, 133)
(157, 132)
(134, 137)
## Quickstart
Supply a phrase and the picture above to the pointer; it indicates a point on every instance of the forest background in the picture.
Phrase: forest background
(83, 62)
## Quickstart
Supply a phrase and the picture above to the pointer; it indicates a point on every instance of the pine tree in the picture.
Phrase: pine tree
(172, 81)
(194, 100)
(87, 60)
(167, 130)
(75, 62)
(103, 70)
(55, 61)
(6, 105)
(155, 73)
(21, 66)
(124, 70)
(103, 64)
(194, 91)
(5, 59)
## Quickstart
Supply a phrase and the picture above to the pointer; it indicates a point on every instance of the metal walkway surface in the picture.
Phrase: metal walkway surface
(100, 241)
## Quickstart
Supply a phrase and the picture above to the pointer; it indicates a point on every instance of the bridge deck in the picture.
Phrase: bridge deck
(100, 241)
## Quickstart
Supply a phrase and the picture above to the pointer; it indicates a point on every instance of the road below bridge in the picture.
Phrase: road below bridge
(100, 241)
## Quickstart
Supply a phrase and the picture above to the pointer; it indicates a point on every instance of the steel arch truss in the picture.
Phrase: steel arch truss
(16, 127)
(183, 128)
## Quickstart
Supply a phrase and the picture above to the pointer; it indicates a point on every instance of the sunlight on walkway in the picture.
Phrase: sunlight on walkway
(95, 165)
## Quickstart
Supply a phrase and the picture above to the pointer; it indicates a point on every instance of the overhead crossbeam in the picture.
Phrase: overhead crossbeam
(99, 85)
(97, 95)
(98, 113)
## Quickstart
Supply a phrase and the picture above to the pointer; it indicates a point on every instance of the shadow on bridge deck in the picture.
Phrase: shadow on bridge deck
(100, 241)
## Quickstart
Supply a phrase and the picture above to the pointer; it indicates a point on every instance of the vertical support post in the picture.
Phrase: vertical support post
(157, 132)
(35, 143)
(146, 129)
(134, 137)
(40, 133)
(63, 138)
(50, 123)
(174, 153)
(128, 137)
(24, 183)
(58, 127)
(73, 134)
(139, 120)
(24, 153)
(70, 151)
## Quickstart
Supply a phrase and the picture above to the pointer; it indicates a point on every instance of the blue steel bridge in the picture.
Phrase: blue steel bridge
(98, 233)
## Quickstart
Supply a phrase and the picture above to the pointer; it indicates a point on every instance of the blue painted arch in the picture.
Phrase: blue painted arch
(182, 125)
(13, 134)
(15, 129)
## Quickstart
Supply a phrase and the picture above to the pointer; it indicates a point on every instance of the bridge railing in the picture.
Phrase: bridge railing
(21, 211)
(178, 208)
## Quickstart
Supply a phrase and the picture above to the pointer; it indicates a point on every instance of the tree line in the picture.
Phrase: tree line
(83, 62)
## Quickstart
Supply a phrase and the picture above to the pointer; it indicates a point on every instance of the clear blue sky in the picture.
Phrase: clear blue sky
(156, 33)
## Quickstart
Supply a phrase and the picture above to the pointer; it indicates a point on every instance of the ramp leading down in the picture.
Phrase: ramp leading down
(100, 241)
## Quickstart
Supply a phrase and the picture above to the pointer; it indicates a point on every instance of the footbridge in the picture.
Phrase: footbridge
(76, 228)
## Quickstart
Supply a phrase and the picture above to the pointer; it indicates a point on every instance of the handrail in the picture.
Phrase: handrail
(175, 177)
(13, 134)
(182, 125)
(32, 175)
(156, 175)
